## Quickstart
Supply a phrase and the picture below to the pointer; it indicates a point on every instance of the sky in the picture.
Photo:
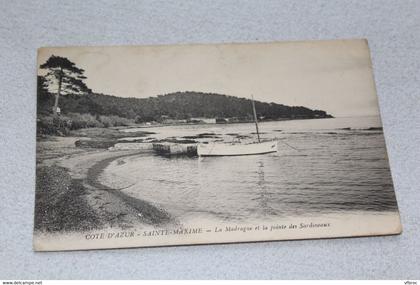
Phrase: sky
(334, 76)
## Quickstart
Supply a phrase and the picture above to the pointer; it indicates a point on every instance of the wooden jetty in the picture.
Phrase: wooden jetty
(167, 148)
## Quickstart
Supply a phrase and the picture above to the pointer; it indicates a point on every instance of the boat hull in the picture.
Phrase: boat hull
(215, 149)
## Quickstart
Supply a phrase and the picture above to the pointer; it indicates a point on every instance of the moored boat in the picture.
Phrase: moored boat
(233, 149)
(225, 149)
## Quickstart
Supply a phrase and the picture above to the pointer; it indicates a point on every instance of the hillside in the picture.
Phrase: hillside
(179, 105)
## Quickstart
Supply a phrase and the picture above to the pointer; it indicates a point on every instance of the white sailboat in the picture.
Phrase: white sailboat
(226, 149)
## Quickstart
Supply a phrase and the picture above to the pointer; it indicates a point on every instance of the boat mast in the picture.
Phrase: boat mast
(255, 117)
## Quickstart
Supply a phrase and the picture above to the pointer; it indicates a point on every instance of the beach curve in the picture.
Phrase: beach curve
(96, 205)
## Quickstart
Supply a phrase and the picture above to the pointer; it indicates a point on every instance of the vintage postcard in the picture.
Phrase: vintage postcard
(197, 144)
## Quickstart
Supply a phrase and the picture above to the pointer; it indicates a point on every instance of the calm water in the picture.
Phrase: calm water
(322, 167)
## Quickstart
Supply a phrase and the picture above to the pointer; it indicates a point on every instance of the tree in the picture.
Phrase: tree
(44, 98)
(65, 77)
(42, 88)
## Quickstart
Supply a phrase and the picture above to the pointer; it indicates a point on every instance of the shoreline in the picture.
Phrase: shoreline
(144, 211)
(69, 196)
(160, 125)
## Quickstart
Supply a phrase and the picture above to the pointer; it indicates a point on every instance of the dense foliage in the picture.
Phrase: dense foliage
(180, 105)
(62, 88)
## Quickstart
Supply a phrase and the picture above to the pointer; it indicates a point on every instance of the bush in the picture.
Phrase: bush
(61, 125)
(81, 121)
(106, 121)
(53, 125)
(114, 121)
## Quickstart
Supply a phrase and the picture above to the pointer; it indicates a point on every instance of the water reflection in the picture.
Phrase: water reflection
(329, 172)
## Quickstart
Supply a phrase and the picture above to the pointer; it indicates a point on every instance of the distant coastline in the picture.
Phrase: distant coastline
(157, 125)
(89, 110)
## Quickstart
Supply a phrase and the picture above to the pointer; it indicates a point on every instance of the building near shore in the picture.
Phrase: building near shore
(203, 120)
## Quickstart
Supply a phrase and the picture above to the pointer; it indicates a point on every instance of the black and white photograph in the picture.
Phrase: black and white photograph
(161, 145)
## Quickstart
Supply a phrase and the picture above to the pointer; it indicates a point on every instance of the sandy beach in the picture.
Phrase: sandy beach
(69, 196)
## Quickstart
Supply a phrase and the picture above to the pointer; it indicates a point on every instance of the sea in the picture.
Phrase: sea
(323, 166)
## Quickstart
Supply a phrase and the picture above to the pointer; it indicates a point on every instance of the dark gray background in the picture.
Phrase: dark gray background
(392, 28)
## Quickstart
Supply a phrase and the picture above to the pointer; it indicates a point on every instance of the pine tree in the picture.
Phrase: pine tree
(64, 76)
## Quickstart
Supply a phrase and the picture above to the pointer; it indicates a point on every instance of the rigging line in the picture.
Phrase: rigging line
(291, 146)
